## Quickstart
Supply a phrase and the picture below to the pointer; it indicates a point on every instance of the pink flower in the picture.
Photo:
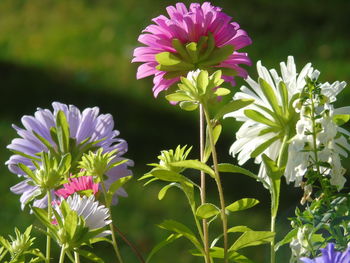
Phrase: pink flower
(201, 37)
(77, 185)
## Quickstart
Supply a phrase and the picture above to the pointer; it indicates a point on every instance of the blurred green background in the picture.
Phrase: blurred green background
(78, 52)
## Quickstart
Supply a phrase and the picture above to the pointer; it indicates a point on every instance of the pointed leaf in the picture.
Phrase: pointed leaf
(216, 134)
(89, 255)
(270, 95)
(202, 82)
(164, 190)
(287, 239)
(188, 105)
(180, 228)
(242, 204)
(62, 131)
(252, 238)
(195, 164)
(232, 106)
(167, 175)
(115, 186)
(222, 92)
(178, 96)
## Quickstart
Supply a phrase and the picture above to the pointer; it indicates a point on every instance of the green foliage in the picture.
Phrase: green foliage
(207, 210)
(198, 88)
(20, 248)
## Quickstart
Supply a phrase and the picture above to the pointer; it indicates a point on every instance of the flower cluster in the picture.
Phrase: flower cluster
(65, 131)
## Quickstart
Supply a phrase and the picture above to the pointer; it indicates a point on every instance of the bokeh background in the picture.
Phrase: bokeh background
(78, 52)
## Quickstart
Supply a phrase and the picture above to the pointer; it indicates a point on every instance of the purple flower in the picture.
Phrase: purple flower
(329, 255)
(201, 37)
(85, 128)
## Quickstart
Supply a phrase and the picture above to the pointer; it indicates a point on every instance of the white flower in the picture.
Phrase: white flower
(95, 215)
(277, 120)
(330, 142)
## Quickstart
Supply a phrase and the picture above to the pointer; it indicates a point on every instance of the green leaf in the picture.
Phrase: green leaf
(28, 171)
(239, 258)
(252, 238)
(164, 190)
(341, 119)
(180, 228)
(222, 92)
(216, 134)
(236, 229)
(270, 94)
(41, 214)
(167, 175)
(62, 131)
(162, 244)
(262, 147)
(230, 168)
(232, 106)
(287, 239)
(242, 204)
(187, 188)
(195, 164)
(89, 255)
(188, 105)
(115, 186)
(207, 210)
(178, 96)
(258, 117)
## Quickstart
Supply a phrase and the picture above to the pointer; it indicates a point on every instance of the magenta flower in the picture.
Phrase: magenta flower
(201, 37)
(78, 185)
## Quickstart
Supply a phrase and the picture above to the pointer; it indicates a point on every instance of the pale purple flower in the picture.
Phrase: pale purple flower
(187, 26)
(330, 255)
(86, 125)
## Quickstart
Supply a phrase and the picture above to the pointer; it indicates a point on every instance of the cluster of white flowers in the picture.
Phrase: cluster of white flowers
(275, 115)
(330, 142)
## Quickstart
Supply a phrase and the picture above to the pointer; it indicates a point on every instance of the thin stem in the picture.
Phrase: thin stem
(48, 239)
(114, 239)
(218, 181)
(62, 254)
(276, 185)
(137, 253)
(76, 257)
(203, 189)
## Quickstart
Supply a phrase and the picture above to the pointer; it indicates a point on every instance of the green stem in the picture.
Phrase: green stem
(203, 189)
(76, 257)
(217, 180)
(275, 193)
(114, 239)
(48, 239)
(62, 254)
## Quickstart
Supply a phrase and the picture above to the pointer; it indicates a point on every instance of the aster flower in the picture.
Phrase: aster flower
(95, 215)
(87, 130)
(82, 184)
(272, 116)
(330, 255)
(201, 37)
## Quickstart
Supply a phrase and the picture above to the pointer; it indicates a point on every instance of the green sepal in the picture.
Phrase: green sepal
(270, 95)
(178, 96)
(170, 62)
(62, 130)
(222, 92)
(258, 117)
(262, 147)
